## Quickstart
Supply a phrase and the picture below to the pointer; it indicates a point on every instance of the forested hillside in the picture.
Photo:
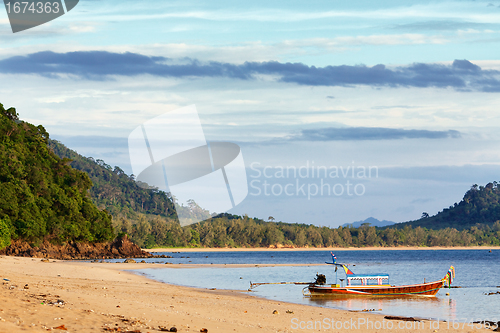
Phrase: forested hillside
(40, 195)
(148, 216)
(114, 190)
(480, 205)
(44, 194)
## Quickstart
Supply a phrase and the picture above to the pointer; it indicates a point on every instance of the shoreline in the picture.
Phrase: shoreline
(372, 248)
(37, 296)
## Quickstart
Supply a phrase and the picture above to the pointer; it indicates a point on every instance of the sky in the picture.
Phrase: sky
(342, 110)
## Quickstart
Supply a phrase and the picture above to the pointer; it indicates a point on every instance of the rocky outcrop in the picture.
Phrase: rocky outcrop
(120, 248)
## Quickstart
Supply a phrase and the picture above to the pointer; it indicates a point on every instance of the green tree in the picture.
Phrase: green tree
(4, 233)
(41, 195)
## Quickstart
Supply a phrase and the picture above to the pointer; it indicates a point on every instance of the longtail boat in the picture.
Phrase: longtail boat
(375, 284)
(367, 284)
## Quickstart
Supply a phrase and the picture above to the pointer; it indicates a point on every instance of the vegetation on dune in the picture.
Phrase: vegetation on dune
(40, 195)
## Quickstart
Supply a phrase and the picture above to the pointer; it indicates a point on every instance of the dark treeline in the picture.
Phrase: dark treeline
(234, 231)
(40, 195)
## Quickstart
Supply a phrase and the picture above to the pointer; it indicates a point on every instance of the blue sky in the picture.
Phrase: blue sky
(411, 88)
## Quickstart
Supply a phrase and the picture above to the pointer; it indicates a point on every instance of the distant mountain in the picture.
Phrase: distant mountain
(373, 222)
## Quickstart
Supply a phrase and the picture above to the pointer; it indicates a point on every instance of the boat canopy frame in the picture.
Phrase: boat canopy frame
(364, 278)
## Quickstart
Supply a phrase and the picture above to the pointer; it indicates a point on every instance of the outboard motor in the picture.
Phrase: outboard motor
(320, 279)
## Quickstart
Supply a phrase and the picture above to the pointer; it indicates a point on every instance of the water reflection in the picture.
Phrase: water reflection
(469, 303)
(385, 304)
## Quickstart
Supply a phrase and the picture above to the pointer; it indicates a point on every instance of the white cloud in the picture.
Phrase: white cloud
(444, 10)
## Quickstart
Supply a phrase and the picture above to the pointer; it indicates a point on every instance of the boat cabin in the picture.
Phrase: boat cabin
(367, 279)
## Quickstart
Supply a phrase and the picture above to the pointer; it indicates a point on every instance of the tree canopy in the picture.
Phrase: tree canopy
(114, 190)
(480, 205)
(40, 194)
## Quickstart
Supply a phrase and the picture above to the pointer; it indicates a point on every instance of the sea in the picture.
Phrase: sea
(475, 295)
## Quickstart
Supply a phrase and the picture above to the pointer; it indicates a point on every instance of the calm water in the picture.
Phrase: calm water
(477, 272)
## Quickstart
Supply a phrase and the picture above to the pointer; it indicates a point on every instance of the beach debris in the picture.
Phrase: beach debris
(163, 329)
(173, 329)
(62, 327)
(366, 310)
(204, 330)
(498, 292)
(26, 286)
(489, 324)
(6, 280)
(129, 261)
(289, 311)
(447, 294)
(276, 312)
(400, 318)
(45, 260)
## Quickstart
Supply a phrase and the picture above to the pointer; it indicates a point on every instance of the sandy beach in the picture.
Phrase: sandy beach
(72, 296)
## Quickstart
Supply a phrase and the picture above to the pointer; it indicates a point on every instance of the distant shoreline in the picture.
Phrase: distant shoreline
(372, 248)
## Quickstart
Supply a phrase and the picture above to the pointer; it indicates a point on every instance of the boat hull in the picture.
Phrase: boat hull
(423, 289)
